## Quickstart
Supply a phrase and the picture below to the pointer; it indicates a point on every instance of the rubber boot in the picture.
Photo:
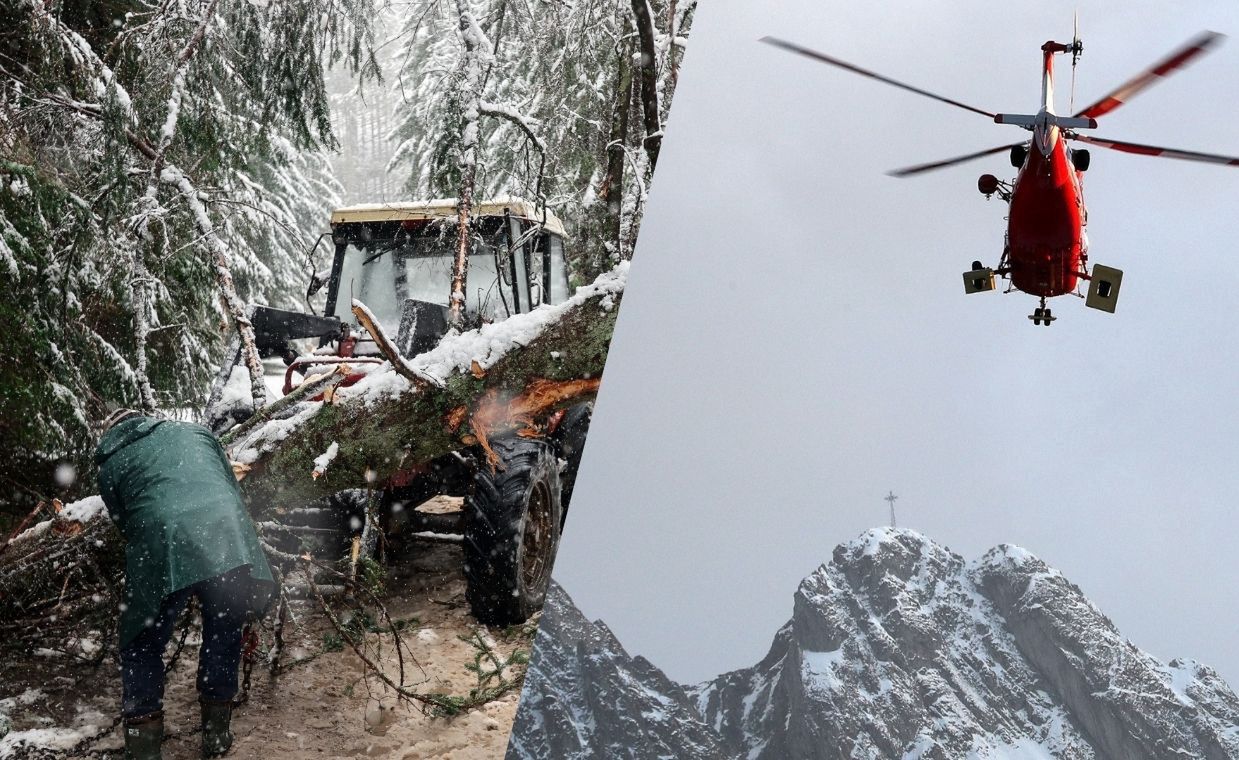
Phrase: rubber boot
(143, 737)
(216, 738)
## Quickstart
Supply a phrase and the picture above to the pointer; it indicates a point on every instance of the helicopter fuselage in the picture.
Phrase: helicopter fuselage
(1046, 246)
(1046, 250)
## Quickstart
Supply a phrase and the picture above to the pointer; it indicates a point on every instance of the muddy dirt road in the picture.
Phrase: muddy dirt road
(324, 708)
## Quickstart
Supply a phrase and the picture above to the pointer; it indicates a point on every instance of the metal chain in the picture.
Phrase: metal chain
(249, 651)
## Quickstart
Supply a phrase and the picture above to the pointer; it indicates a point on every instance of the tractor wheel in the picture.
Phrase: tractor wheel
(512, 521)
(1018, 154)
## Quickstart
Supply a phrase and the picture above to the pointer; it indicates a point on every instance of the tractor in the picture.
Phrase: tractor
(397, 258)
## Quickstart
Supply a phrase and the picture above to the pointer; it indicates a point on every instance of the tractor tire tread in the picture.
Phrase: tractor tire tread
(495, 512)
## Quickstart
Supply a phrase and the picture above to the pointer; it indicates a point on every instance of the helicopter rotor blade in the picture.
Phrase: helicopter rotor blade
(1163, 68)
(909, 171)
(1155, 150)
(866, 73)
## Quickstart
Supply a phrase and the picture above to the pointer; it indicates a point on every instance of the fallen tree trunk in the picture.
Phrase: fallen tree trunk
(506, 376)
(500, 378)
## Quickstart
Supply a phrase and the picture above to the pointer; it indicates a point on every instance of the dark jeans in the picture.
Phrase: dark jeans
(224, 604)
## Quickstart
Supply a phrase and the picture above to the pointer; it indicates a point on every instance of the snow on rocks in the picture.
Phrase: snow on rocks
(586, 697)
(898, 647)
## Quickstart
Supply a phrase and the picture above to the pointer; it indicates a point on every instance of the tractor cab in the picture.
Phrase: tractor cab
(389, 254)
(397, 259)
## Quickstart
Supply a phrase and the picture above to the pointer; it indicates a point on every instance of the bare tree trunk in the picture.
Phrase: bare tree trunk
(470, 84)
(139, 284)
(649, 79)
(613, 190)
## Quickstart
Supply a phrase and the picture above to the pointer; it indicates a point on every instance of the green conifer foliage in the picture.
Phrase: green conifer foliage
(557, 66)
(231, 94)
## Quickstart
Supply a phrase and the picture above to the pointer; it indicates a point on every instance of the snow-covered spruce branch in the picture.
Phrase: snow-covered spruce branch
(168, 132)
(220, 258)
(83, 56)
(221, 262)
(171, 175)
(525, 123)
(140, 282)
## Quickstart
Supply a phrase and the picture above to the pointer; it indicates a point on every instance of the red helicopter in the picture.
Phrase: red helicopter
(1046, 250)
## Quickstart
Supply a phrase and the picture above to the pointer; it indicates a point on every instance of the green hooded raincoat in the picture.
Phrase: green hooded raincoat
(170, 490)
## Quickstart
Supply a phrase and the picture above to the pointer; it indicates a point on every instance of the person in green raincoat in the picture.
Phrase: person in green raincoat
(170, 490)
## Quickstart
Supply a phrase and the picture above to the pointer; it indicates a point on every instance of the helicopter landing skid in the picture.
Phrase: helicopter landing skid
(1041, 315)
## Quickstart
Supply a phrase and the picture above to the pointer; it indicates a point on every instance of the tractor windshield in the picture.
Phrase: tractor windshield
(416, 263)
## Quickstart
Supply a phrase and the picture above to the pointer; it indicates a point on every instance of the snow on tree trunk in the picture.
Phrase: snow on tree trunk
(473, 69)
(139, 289)
(497, 379)
(221, 262)
(649, 79)
(613, 190)
(472, 66)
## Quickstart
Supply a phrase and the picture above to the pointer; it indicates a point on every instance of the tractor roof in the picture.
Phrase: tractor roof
(443, 208)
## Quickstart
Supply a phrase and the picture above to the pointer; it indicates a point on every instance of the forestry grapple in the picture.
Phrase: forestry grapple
(397, 259)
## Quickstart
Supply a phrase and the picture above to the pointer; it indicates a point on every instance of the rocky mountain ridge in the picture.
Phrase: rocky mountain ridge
(585, 696)
(896, 648)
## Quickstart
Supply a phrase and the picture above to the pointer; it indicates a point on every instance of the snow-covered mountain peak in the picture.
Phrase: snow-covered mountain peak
(1014, 559)
(895, 555)
(900, 648)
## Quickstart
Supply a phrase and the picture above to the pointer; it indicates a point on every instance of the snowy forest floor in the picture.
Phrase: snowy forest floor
(324, 708)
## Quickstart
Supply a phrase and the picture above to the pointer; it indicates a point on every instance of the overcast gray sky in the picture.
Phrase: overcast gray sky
(795, 339)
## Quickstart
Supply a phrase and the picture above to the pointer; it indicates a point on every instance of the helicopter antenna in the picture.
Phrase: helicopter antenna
(890, 499)
(1077, 47)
